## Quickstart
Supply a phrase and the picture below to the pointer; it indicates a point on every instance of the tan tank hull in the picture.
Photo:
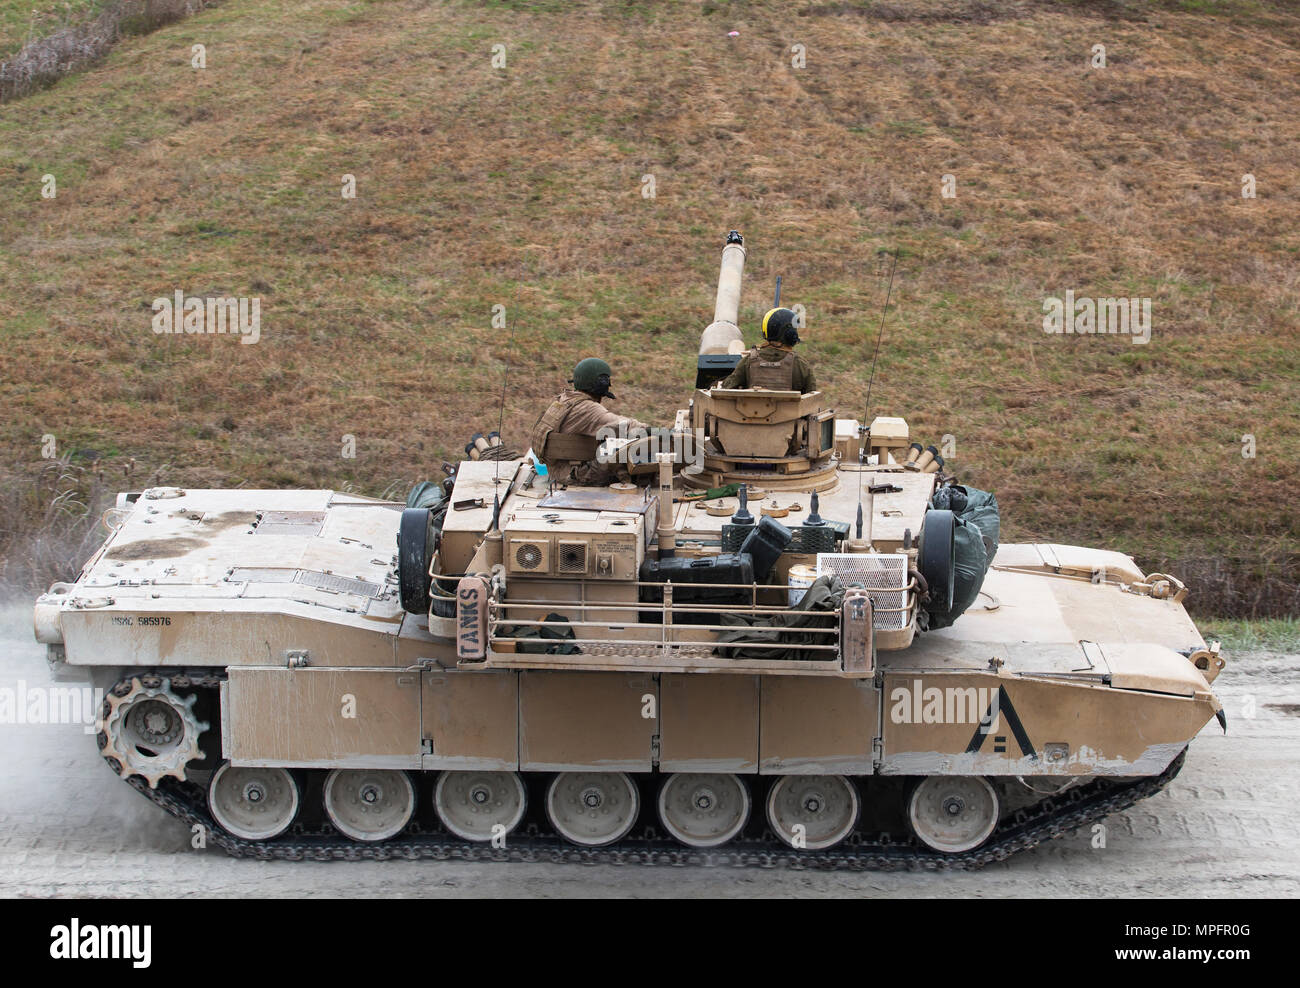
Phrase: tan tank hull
(339, 677)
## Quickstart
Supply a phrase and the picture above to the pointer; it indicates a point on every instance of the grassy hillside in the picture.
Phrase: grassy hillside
(523, 186)
(22, 20)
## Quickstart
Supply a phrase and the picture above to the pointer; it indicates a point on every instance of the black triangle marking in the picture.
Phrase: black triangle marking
(1007, 710)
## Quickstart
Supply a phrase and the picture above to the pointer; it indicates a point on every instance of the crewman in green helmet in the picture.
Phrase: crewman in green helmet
(564, 437)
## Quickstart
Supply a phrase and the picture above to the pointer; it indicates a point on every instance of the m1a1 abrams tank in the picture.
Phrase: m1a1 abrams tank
(803, 645)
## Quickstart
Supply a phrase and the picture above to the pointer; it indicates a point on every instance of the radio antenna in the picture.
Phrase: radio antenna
(866, 411)
(884, 312)
(777, 301)
(501, 419)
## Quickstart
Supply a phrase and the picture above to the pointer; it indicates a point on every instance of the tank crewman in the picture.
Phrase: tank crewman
(564, 437)
(774, 364)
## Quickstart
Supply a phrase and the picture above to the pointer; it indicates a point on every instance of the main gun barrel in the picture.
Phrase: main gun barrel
(723, 334)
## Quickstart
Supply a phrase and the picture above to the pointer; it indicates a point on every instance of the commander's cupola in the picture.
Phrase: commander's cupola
(775, 440)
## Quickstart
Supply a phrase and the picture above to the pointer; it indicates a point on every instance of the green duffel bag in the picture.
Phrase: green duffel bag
(976, 532)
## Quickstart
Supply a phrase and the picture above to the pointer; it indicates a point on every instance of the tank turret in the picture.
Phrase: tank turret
(774, 439)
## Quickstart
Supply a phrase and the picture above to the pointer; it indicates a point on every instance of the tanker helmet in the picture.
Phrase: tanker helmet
(592, 376)
(780, 326)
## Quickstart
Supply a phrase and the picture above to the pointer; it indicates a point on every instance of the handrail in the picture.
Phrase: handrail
(596, 605)
(730, 586)
(755, 608)
(663, 631)
(682, 608)
(628, 642)
(657, 636)
(689, 627)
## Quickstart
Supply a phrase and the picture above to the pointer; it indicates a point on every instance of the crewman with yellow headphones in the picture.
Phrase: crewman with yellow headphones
(774, 364)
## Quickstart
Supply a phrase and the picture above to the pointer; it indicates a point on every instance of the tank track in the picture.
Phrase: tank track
(1045, 820)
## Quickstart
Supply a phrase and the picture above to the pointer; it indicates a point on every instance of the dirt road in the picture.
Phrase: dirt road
(1224, 828)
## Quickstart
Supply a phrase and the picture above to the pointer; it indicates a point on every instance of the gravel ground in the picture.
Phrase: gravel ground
(1223, 828)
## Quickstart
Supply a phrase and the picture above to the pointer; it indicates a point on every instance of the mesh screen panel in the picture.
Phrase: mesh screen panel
(883, 574)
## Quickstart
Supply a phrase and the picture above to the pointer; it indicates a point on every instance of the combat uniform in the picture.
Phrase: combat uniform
(775, 367)
(564, 438)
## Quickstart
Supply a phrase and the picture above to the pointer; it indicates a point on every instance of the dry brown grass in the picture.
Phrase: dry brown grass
(477, 186)
(49, 525)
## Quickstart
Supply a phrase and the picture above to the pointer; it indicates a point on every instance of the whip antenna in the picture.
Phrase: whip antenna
(866, 411)
(501, 419)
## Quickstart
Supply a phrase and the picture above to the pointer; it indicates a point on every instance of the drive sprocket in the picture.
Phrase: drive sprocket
(149, 730)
